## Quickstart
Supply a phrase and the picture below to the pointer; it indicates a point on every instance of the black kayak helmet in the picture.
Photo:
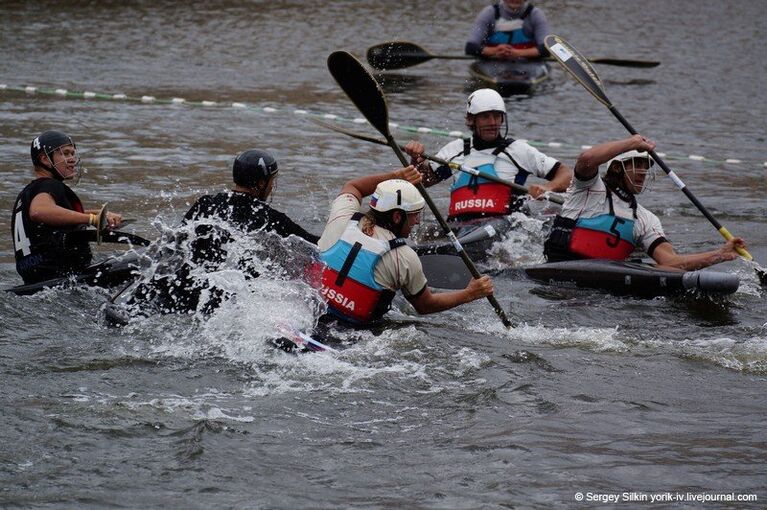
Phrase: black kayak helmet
(47, 143)
(253, 167)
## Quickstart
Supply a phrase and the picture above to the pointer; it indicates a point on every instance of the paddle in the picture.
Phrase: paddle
(101, 224)
(369, 99)
(119, 237)
(575, 64)
(402, 54)
(451, 164)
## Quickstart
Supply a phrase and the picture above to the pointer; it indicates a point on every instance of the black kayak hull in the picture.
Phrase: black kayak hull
(476, 237)
(510, 77)
(641, 280)
(104, 274)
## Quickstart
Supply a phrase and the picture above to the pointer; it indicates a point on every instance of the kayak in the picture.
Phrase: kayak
(476, 236)
(641, 280)
(446, 271)
(108, 273)
(510, 77)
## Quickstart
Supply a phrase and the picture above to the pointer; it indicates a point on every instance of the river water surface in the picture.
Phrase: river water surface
(589, 394)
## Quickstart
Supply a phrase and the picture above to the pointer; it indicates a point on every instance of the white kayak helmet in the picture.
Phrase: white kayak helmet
(642, 165)
(397, 194)
(485, 100)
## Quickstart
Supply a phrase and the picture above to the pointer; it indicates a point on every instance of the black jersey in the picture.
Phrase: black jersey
(44, 252)
(241, 211)
(181, 291)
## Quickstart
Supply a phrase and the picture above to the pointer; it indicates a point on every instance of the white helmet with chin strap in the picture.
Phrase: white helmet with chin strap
(485, 100)
(636, 157)
(397, 194)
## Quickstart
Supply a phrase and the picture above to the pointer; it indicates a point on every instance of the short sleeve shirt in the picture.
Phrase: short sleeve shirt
(586, 199)
(398, 269)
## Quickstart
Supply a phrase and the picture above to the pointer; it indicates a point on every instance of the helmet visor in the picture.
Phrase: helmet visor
(65, 161)
(639, 172)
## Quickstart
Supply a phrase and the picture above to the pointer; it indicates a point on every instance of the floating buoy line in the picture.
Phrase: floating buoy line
(148, 99)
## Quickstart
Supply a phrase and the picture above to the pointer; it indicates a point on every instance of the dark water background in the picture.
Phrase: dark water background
(591, 393)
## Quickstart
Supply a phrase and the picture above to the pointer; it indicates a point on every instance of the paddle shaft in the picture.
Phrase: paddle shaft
(681, 185)
(402, 54)
(449, 233)
(452, 57)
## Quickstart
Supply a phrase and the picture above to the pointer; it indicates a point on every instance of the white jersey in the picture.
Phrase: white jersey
(529, 159)
(398, 269)
(587, 199)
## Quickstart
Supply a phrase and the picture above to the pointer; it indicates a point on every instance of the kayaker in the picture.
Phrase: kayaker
(601, 218)
(47, 213)
(507, 30)
(491, 151)
(366, 255)
(245, 208)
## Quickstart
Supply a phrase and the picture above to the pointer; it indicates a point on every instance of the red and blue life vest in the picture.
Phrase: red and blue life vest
(509, 31)
(471, 195)
(348, 280)
(606, 236)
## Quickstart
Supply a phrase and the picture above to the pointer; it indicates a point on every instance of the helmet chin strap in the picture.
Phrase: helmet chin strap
(50, 168)
(75, 178)
(615, 182)
(401, 224)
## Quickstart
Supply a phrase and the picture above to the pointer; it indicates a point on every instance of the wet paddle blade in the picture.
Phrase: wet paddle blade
(101, 224)
(396, 55)
(361, 88)
(578, 66)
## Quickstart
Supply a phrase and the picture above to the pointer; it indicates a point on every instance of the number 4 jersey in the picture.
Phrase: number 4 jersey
(43, 252)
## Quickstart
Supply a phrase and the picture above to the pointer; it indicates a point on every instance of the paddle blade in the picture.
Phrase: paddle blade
(396, 55)
(578, 66)
(101, 224)
(361, 88)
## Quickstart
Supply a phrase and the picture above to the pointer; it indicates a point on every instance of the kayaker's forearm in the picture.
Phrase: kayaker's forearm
(562, 179)
(365, 186)
(665, 256)
(430, 302)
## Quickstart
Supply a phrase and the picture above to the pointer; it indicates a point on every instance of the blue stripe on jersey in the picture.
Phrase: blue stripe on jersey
(362, 270)
(464, 179)
(606, 222)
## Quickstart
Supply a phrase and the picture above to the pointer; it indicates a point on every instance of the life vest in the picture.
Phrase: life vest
(41, 251)
(509, 31)
(348, 280)
(606, 236)
(476, 196)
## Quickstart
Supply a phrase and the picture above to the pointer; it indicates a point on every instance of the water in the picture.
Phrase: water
(591, 393)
